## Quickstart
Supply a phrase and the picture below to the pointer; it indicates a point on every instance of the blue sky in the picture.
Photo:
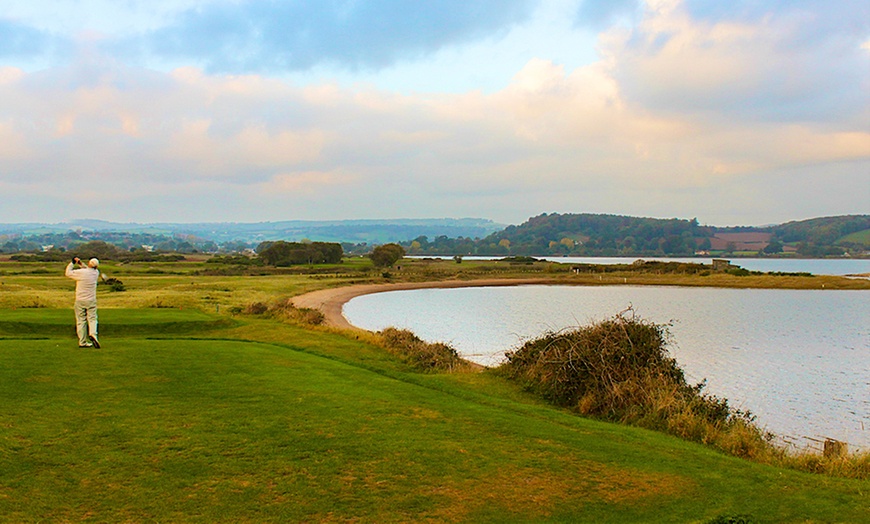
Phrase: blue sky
(740, 112)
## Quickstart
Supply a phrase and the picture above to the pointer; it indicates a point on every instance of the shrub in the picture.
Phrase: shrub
(420, 354)
(257, 308)
(619, 369)
(115, 284)
(387, 255)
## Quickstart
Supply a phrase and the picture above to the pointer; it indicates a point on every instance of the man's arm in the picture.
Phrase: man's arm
(70, 268)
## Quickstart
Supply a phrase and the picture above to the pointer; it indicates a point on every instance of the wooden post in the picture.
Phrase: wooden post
(835, 448)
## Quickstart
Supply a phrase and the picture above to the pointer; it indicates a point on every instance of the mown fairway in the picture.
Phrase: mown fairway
(255, 420)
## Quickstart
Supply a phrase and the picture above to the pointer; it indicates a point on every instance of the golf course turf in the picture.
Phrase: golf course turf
(256, 420)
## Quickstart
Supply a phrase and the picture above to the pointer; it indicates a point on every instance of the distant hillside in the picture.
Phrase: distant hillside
(615, 235)
(582, 234)
(349, 231)
(822, 231)
(592, 234)
(861, 238)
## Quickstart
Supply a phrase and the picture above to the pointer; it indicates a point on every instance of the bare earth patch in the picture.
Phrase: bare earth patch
(539, 492)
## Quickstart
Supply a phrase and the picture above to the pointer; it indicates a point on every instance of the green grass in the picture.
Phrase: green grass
(859, 237)
(312, 426)
(112, 322)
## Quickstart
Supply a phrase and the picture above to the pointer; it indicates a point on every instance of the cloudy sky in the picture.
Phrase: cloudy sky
(742, 112)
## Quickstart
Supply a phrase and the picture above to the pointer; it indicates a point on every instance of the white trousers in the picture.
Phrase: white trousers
(86, 321)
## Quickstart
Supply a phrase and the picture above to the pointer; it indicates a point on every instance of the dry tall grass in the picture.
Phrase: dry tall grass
(422, 355)
(284, 310)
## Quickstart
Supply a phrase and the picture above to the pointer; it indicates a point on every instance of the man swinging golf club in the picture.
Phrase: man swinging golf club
(86, 278)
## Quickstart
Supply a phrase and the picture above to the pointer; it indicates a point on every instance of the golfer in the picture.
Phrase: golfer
(86, 278)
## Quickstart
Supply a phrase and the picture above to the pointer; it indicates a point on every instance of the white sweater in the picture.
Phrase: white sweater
(86, 282)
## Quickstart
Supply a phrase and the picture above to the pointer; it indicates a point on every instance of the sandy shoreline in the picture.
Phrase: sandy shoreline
(331, 301)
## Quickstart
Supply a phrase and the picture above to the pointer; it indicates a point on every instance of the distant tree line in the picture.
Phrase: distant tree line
(578, 235)
(70, 240)
(96, 249)
(54, 245)
(280, 253)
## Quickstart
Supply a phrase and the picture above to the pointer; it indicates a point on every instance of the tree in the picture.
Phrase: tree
(387, 255)
(96, 249)
(283, 253)
(273, 253)
(775, 246)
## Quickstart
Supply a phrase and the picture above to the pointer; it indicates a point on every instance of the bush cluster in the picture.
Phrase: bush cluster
(619, 370)
(84, 254)
(645, 266)
(115, 284)
(420, 354)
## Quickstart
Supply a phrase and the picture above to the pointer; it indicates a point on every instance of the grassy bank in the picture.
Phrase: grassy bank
(264, 421)
(193, 412)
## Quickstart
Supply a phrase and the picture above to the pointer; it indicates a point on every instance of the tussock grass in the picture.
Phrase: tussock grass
(284, 310)
(421, 355)
(856, 465)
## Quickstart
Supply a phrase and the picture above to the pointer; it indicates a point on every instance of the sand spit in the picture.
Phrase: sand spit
(331, 301)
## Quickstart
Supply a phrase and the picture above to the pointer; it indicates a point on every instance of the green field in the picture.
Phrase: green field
(859, 237)
(189, 416)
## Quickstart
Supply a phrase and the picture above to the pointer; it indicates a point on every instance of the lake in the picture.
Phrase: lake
(797, 359)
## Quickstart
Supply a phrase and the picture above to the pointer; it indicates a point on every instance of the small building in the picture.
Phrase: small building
(720, 264)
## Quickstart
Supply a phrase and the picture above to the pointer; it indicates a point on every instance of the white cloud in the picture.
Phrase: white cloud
(309, 183)
(682, 116)
(12, 143)
(251, 148)
(742, 68)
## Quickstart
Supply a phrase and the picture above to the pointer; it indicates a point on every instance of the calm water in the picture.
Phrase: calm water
(826, 266)
(798, 359)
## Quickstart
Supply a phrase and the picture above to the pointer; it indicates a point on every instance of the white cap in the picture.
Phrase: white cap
(93, 262)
